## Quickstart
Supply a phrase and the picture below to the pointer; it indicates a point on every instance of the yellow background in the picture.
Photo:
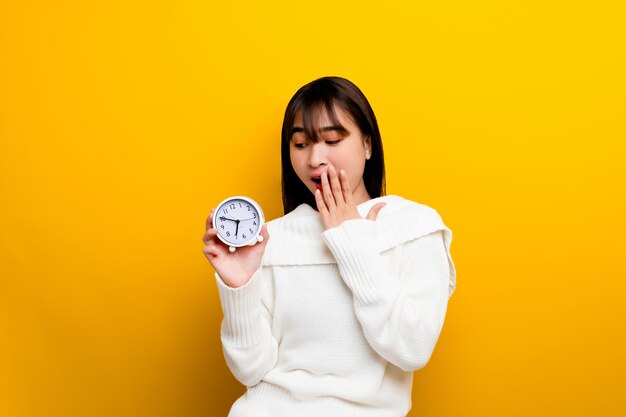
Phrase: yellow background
(118, 121)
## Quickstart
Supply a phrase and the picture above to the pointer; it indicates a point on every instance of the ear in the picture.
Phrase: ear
(368, 147)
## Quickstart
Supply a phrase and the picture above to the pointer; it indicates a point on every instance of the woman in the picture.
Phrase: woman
(332, 314)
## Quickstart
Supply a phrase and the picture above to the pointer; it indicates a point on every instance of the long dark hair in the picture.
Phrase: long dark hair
(320, 96)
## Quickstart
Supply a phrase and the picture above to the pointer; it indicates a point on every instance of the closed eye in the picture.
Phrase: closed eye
(333, 142)
(300, 145)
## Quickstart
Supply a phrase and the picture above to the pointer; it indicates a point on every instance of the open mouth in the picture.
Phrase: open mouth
(318, 182)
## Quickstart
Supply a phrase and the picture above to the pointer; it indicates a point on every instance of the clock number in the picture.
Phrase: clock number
(225, 211)
(222, 226)
(232, 206)
(243, 236)
(228, 234)
(254, 215)
(248, 208)
(239, 204)
(254, 223)
(250, 230)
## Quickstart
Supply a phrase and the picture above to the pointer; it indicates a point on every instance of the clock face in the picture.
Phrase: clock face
(238, 221)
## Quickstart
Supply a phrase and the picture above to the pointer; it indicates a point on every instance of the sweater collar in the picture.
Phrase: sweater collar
(363, 208)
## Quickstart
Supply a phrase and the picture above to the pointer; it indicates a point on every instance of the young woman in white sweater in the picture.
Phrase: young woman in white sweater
(346, 296)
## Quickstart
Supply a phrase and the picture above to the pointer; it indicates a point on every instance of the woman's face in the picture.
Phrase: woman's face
(311, 159)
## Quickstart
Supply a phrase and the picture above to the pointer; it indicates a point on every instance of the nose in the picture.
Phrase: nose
(317, 156)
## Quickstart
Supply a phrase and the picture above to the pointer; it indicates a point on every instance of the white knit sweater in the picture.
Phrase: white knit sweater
(334, 322)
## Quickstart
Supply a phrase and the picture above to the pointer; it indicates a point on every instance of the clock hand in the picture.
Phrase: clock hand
(251, 218)
(226, 218)
(237, 229)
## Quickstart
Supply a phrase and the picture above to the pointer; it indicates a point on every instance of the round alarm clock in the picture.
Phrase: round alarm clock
(238, 221)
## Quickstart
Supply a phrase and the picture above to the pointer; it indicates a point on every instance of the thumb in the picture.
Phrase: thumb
(374, 211)
(265, 234)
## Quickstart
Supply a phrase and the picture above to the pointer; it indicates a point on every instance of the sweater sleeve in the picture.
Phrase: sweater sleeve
(401, 313)
(249, 346)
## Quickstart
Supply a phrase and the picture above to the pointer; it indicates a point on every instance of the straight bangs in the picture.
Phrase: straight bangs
(319, 114)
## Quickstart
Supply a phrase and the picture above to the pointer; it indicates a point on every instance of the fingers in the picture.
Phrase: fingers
(374, 211)
(335, 186)
(209, 220)
(209, 235)
(212, 250)
(327, 192)
(210, 245)
(264, 238)
(321, 206)
(265, 234)
(345, 185)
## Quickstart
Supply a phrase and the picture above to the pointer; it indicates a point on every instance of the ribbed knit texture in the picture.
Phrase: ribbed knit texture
(335, 321)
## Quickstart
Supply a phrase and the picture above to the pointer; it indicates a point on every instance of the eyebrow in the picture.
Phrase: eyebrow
(332, 128)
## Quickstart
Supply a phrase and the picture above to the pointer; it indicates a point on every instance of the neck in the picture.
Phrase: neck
(360, 194)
